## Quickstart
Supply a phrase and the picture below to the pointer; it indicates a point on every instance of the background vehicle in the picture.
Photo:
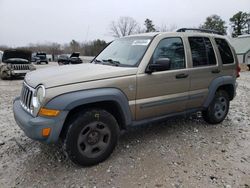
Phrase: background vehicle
(241, 45)
(1, 55)
(15, 63)
(39, 58)
(74, 58)
(135, 80)
(63, 59)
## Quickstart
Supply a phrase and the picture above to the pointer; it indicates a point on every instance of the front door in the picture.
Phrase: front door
(164, 92)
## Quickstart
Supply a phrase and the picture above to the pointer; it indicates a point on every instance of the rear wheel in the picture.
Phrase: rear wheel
(92, 137)
(218, 108)
(248, 67)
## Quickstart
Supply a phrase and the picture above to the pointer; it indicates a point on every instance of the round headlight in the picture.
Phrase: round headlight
(39, 96)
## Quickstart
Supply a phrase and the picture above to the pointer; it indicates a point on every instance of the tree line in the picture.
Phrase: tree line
(91, 48)
(239, 25)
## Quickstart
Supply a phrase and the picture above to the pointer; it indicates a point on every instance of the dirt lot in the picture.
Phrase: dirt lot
(184, 152)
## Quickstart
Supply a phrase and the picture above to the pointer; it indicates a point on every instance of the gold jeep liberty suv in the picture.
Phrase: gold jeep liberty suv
(134, 80)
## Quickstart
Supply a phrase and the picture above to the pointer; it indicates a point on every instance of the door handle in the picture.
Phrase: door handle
(215, 71)
(182, 75)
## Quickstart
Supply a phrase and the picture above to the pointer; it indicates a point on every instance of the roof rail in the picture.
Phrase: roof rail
(200, 30)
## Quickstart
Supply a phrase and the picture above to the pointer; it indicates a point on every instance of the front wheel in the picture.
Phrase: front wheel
(218, 108)
(92, 137)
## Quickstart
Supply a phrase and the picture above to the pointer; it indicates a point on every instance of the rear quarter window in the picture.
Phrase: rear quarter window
(225, 51)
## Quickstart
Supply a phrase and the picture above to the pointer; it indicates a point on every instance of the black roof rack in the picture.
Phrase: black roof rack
(200, 30)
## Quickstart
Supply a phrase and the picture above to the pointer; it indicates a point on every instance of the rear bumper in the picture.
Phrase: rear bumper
(32, 126)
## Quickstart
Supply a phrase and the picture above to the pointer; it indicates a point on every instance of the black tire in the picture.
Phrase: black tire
(91, 137)
(218, 108)
(248, 67)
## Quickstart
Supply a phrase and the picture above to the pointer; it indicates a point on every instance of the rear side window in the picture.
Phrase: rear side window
(225, 51)
(202, 51)
(173, 49)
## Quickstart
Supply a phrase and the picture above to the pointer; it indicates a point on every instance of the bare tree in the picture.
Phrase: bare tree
(140, 29)
(165, 28)
(123, 27)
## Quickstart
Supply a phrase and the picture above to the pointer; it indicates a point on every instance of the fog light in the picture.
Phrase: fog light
(48, 112)
(46, 132)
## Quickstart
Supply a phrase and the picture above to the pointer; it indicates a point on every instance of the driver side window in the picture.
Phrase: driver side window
(173, 49)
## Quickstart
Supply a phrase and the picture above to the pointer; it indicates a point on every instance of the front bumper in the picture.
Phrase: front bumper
(19, 72)
(32, 126)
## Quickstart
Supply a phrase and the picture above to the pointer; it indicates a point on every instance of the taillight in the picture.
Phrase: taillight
(238, 71)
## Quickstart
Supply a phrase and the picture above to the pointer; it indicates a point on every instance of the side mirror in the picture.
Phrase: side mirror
(161, 64)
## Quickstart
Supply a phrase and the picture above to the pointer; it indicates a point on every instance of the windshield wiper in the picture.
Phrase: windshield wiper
(111, 61)
(97, 61)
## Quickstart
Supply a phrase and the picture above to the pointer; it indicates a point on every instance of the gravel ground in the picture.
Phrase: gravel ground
(183, 152)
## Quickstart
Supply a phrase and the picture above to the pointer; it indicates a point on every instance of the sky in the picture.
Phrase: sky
(39, 21)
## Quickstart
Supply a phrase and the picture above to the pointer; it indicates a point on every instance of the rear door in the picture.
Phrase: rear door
(204, 68)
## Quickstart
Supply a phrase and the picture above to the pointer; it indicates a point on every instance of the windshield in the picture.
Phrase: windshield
(41, 56)
(125, 51)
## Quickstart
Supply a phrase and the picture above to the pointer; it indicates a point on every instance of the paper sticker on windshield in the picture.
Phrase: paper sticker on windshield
(141, 42)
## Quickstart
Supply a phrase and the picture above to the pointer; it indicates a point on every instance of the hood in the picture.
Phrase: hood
(17, 61)
(63, 75)
(16, 54)
(75, 54)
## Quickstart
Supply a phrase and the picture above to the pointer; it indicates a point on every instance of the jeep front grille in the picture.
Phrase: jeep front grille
(26, 98)
(20, 67)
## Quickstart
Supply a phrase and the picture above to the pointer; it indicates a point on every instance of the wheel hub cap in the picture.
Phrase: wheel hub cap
(220, 107)
(93, 137)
